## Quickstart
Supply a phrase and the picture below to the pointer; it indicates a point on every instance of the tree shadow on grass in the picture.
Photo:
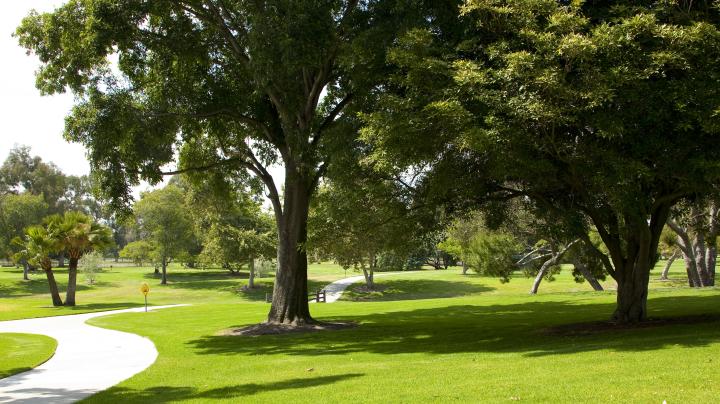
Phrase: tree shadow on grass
(170, 393)
(414, 289)
(496, 328)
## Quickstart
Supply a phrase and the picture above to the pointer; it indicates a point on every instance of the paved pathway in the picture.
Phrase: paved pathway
(334, 290)
(88, 359)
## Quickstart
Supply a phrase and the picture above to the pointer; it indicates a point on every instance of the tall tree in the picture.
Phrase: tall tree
(236, 85)
(605, 111)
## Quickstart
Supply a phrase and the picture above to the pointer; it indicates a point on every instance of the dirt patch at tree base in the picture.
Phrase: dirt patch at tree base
(256, 330)
(598, 327)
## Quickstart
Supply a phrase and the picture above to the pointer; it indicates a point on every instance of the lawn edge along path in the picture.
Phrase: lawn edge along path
(334, 290)
(87, 360)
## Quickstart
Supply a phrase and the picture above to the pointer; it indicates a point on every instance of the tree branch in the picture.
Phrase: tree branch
(331, 118)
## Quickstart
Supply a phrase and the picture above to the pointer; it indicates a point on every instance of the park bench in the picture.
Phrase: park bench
(318, 296)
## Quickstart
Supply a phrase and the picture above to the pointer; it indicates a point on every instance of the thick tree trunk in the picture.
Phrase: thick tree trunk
(464, 267)
(668, 264)
(54, 292)
(633, 276)
(163, 281)
(72, 282)
(251, 276)
(290, 294)
(26, 270)
(589, 277)
(632, 253)
(632, 295)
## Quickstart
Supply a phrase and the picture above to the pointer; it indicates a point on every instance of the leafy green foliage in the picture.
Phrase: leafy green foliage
(493, 253)
(17, 212)
(164, 221)
(139, 251)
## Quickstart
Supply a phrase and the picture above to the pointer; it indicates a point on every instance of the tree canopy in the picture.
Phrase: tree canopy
(599, 112)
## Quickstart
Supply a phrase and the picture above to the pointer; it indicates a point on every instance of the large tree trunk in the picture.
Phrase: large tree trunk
(54, 292)
(290, 295)
(26, 270)
(251, 276)
(632, 272)
(668, 264)
(72, 282)
(632, 295)
(632, 254)
(464, 267)
(587, 274)
(164, 271)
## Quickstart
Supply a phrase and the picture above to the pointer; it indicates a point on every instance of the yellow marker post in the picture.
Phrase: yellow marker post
(145, 289)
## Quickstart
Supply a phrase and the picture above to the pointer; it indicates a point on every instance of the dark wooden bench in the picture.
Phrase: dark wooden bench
(318, 296)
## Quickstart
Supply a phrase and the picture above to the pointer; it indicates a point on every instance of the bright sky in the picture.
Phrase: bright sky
(28, 118)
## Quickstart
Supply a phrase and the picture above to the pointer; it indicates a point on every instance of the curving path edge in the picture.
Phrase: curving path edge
(87, 360)
(334, 290)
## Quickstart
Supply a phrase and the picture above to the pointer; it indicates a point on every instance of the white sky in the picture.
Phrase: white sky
(28, 118)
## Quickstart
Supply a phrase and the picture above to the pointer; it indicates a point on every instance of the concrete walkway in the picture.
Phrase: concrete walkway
(334, 290)
(88, 359)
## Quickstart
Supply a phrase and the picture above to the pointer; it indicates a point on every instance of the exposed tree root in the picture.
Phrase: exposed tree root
(279, 329)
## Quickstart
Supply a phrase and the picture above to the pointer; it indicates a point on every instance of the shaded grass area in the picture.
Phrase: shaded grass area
(490, 347)
(22, 352)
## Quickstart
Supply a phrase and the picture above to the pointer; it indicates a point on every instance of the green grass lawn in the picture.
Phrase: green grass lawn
(22, 352)
(435, 336)
(118, 288)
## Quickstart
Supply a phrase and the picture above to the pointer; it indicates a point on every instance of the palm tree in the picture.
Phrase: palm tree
(77, 234)
(36, 249)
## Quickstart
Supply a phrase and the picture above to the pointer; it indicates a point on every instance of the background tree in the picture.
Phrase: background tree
(574, 106)
(358, 219)
(165, 222)
(139, 251)
(697, 226)
(235, 85)
(17, 212)
(669, 249)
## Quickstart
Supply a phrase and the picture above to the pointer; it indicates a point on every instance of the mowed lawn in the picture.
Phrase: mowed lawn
(118, 287)
(434, 336)
(21, 352)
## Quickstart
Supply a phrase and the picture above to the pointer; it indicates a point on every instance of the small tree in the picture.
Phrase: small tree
(90, 265)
